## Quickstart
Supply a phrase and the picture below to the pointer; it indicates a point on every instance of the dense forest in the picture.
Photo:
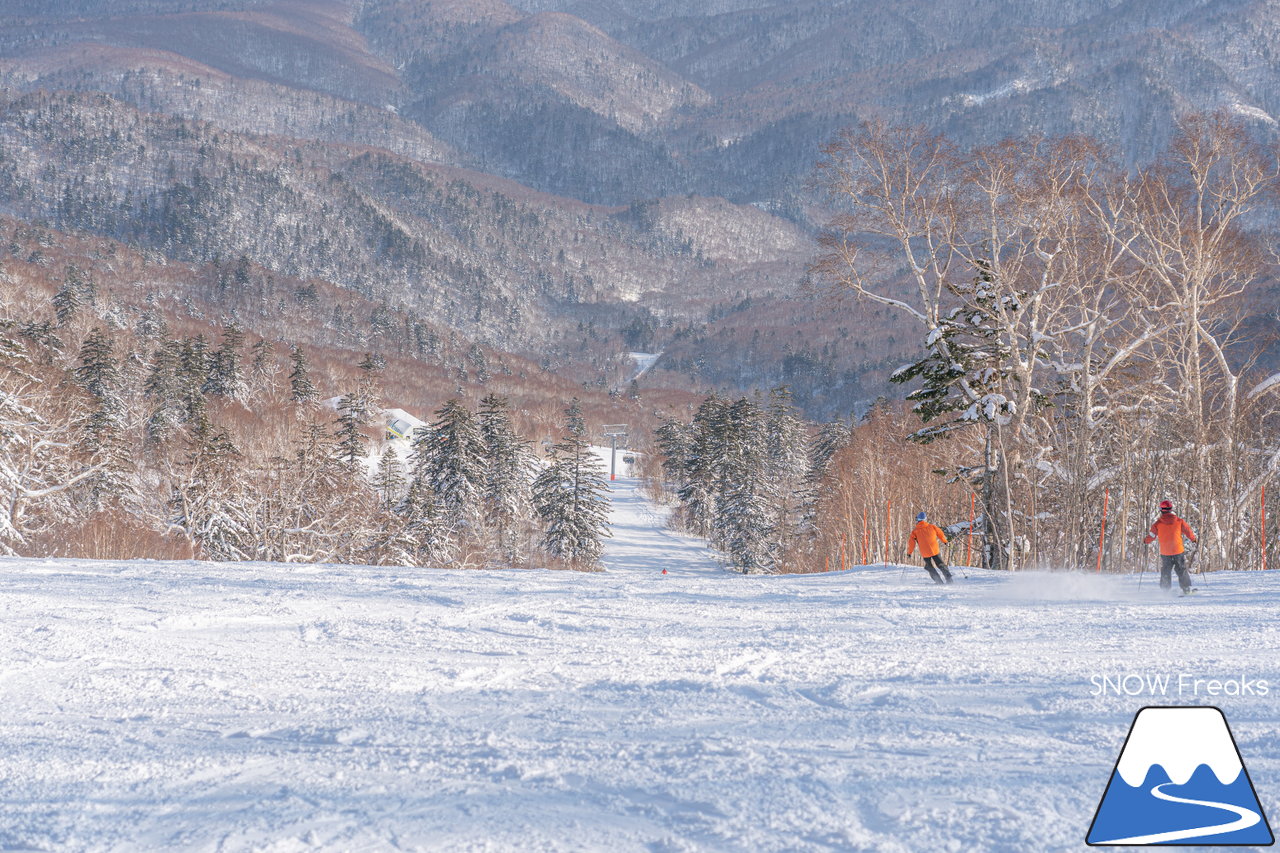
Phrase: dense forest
(152, 410)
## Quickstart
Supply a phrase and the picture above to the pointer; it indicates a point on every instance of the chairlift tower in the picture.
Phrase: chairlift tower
(614, 431)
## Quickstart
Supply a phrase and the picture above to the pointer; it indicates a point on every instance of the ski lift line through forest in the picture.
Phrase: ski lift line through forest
(614, 432)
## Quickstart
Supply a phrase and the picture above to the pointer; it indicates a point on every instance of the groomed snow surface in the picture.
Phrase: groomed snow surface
(190, 706)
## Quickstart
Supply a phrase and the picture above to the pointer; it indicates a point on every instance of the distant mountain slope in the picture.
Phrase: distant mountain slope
(526, 169)
(304, 43)
(980, 70)
(620, 100)
(166, 82)
(547, 99)
(478, 253)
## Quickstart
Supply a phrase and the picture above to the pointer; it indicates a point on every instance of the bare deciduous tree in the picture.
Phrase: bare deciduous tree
(1079, 323)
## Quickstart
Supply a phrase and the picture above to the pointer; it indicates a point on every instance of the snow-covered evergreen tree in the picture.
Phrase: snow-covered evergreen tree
(964, 367)
(262, 366)
(353, 414)
(449, 459)
(831, 439)
(741, 473)
(965, 375)
(570, 496)
(673, 442)
(83, 284)
(163, 386)
(103, 426)
(746, 523)
(478, 361)
(424, 536)
(785, 440)
(66, 303)
(41, 335)
(372, 364)
(510, 468)
(193, 375)
(389, 479)
(241, 275)
(786, 447)
(300, 387)
(703, 466)
(226, 377)
(15, 360)
(98, 371)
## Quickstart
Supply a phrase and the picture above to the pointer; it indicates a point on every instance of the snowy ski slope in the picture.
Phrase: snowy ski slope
(186, 706)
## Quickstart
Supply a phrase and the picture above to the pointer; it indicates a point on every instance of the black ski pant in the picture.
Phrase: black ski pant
(930, 563)
(1168, 564)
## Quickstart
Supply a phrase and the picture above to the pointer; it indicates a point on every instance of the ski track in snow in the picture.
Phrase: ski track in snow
(640, 540)
(212, 707)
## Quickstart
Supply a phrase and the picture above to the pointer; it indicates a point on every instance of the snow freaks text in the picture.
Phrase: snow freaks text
(1180, 684)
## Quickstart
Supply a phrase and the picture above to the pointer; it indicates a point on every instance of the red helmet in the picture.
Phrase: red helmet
(1166, 506)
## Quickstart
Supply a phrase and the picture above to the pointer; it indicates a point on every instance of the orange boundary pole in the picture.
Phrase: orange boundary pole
(842, 552)
(1106, 499)
(1264, 528)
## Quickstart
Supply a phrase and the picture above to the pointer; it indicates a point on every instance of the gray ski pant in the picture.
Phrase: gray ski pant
(930, 563)
(1168, 564)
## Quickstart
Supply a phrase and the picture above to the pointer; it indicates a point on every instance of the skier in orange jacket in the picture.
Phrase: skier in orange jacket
(926, 535)
(1170, 529)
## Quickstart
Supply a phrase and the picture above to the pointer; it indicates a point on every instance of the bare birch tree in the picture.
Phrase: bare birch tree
(1079, 324)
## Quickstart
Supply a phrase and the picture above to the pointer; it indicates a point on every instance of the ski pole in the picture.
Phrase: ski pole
(951, 559)
(1143, 568)
(1194, 554)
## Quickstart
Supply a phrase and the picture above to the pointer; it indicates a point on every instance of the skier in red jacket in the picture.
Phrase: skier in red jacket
(1170, 529)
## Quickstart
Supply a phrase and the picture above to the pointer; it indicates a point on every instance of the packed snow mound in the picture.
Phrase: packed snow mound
(1179, 740)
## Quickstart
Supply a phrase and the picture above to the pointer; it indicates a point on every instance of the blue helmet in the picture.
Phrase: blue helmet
(921, 516)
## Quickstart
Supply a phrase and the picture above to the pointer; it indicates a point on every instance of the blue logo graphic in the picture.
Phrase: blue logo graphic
(1179, 781)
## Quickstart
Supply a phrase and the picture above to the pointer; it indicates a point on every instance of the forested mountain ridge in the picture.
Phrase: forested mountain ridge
(522, 169)
(780, 78)
(719, 99)
(479, 253)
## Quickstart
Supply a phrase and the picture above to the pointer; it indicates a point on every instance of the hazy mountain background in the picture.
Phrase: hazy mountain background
(571, 180)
